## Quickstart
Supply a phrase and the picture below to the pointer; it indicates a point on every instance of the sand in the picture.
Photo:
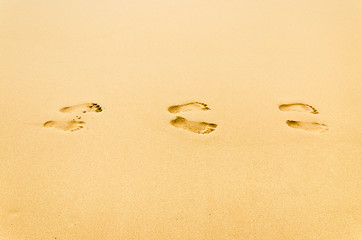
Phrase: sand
(129, 173)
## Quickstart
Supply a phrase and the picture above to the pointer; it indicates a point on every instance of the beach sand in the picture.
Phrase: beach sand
(129, 173)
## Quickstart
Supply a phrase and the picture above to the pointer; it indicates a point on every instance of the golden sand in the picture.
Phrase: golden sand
(133, 169)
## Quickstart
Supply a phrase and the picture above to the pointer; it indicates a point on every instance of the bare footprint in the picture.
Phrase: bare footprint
(82, 108)
(65, 125)
(308, 126)
(193, 106)
(298, 107)
(196, 127)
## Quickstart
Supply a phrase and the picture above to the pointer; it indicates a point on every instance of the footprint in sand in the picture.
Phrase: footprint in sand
(193, 106)
(298, 107)
(193, 126)
(82, 108)
(71, 126)
(308, 126)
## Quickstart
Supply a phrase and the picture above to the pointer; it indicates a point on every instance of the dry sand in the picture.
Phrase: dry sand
(129, 174)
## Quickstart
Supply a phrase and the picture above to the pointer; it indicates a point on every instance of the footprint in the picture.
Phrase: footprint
(196, 127)
(82, 108)
(298, 107)
(193, 106)
(65, 125)
(308, 126)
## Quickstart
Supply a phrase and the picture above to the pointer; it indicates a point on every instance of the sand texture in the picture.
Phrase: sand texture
(182, 120)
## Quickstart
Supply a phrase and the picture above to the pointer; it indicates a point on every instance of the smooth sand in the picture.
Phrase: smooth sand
(129, 174)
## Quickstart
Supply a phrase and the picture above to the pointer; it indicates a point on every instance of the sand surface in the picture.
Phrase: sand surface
(130, 174)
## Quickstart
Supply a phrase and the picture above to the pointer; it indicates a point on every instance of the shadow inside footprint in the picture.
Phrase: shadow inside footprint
(193, 126)
(308, 126)
(298, 107)
(193, 106)
(65, 125)
(82, 108)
